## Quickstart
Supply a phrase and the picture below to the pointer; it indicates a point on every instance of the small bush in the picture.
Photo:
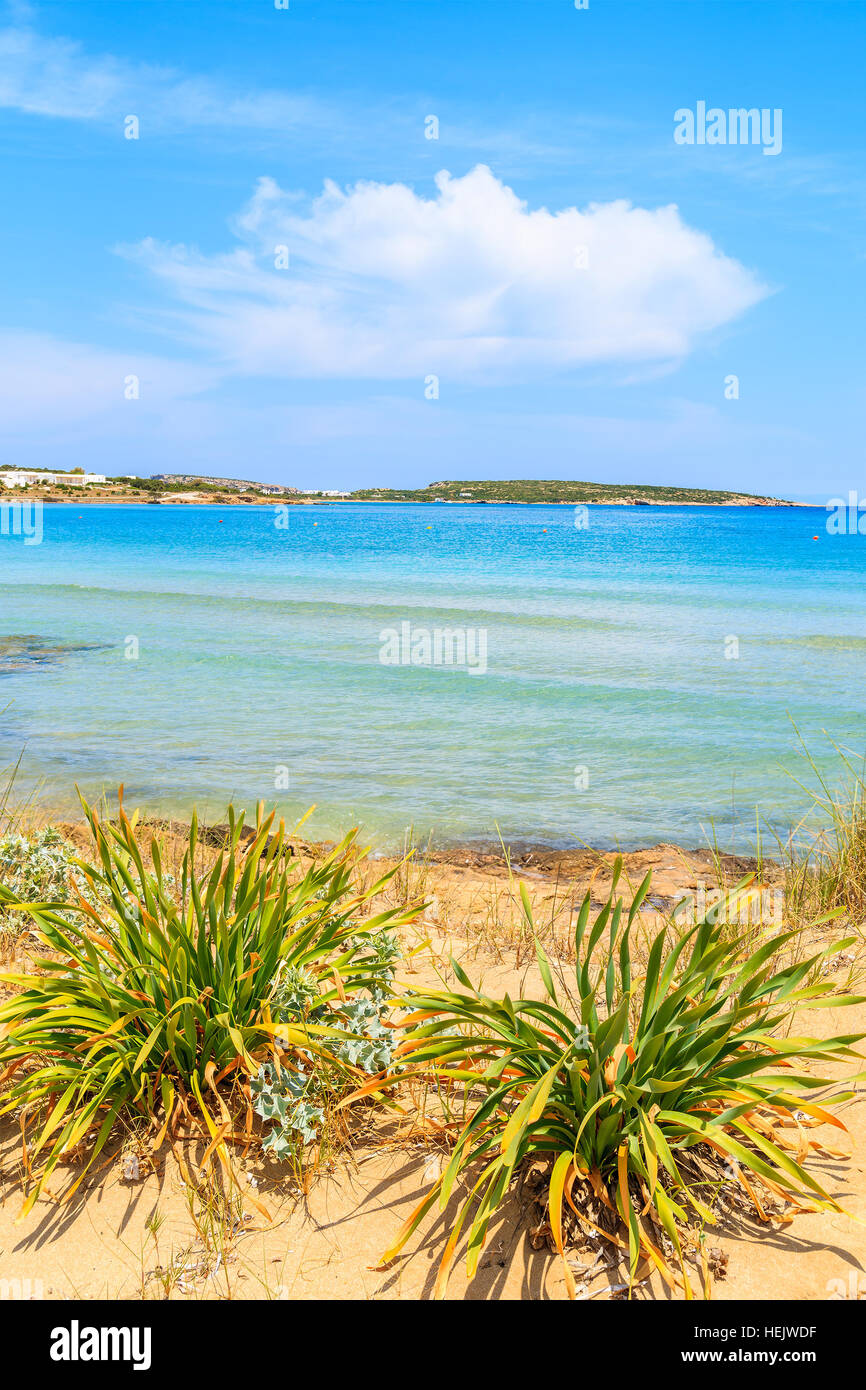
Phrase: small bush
(37, 867)
(359, 1035)
(167, 1004)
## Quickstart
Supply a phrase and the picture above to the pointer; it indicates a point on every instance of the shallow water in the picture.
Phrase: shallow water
(614, 707)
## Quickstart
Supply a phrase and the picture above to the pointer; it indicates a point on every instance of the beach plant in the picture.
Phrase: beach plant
(356, 1030)
(165, 1001)
(11, 808)
(824, 857)
(32, 867)
(642, 1090)
(37, 867)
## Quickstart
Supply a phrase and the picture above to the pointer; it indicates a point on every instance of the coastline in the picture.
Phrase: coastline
(466, 872)
(170, 500)
(552, 857)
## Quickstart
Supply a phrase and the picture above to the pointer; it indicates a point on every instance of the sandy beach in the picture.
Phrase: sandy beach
(145, 1226)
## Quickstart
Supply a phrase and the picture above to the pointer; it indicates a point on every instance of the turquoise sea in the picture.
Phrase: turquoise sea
(614, 707)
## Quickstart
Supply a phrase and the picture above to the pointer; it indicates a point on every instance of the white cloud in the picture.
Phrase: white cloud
(386, 283)
(58, 77)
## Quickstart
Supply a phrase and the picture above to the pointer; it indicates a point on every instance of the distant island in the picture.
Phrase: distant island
(194, 489)
(551, 492)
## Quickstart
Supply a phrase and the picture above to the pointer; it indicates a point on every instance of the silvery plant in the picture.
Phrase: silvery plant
(292, 1101)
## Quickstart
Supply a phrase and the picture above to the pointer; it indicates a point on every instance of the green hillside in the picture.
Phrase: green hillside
(551, 491)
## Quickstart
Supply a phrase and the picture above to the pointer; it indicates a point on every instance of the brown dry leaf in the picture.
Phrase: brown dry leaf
(540, 1235)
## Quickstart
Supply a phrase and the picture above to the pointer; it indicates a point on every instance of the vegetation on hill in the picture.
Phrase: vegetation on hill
(553, 491)
(522, 490)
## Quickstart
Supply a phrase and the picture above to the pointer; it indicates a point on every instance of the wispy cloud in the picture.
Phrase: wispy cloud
(57, 77)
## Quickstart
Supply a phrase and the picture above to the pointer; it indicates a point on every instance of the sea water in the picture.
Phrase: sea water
(643, 667)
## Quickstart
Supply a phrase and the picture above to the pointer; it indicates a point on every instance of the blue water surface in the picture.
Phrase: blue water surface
(642, 670)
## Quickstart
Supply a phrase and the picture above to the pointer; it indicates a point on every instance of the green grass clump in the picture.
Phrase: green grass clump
(621, 1081)
(167, 1001)
(825, 857)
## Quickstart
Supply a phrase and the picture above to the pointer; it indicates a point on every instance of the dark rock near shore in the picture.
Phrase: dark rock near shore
(22, 651)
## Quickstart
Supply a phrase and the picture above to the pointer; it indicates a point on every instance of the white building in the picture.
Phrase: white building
(21, 477)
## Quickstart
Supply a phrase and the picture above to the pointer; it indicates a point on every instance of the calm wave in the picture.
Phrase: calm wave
(613, 707)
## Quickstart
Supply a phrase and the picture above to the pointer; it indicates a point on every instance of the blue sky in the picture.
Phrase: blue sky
(579, 284)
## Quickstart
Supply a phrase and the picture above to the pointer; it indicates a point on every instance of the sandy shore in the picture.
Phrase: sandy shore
(154, 1236)
(89, 498)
